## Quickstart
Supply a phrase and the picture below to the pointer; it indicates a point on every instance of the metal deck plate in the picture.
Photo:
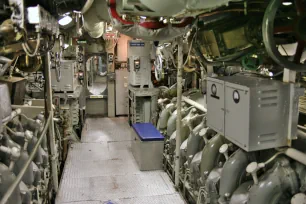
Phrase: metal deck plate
(102, 170)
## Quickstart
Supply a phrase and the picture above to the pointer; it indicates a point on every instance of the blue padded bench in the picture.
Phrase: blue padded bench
(147, 147)
(147, 132)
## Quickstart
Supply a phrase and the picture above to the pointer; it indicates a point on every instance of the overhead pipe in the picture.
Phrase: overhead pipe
(149, 30)
(16, 182)
(148, 24)
(94, 15)
(179, 111)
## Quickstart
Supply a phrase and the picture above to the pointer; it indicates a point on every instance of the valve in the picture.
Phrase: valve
(202, 133)
(252, 169)
(28, 135)
(224, 150)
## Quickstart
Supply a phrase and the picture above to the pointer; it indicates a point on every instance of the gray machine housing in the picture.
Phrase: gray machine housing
(253, 113)
(139, 63)
(69, 79)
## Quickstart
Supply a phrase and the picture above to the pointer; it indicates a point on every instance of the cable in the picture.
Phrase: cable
(26, 47)
(190, 47)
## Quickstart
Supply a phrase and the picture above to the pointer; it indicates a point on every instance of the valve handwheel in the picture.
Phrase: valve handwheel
(298, 29)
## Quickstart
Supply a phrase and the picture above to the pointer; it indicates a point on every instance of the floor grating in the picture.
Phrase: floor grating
(102, 170)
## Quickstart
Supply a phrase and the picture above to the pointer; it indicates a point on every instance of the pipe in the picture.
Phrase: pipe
(14, 113)
(210, 155)
(274, 184)
(87, 6)
(149, 25)
(13, 186)
(296, 155)
(195, 104)
(232, 174)
(166, 33)
(301, 134)
(302, 127)
(7, 64)
(7, 178)
(94, 15)
(51, 133)
(268, 38)
(179, 111)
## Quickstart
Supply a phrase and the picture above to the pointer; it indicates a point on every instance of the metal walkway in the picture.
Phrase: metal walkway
(102, 170)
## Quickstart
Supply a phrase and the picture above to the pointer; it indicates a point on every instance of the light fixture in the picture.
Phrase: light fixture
(66, 46)
(65, 20)
(287, 3)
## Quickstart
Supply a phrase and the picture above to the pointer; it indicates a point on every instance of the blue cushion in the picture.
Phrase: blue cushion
(147, 132)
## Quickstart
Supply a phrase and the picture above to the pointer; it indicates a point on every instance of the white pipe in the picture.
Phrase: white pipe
(179, 113)
(87, 6)
(296, 155)
(301, 134)
(301, 127)
(195, 104)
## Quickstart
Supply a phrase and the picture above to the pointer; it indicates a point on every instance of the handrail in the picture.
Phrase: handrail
(16, 182)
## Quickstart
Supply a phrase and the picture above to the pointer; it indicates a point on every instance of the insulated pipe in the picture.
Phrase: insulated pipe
(296, 155)
(179, 111)
(301, 134)
(87, 6)
(150, 25)
(195, 104)
(94, 15)
(13, 186)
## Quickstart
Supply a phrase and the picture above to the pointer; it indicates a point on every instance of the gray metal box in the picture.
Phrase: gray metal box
(139, 63)
(253, 113)
(148, 154)
(69, 78)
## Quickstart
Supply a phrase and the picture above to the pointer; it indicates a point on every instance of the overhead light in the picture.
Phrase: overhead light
(66, 46)
(287, 3)
(143, 17)
(65, 20)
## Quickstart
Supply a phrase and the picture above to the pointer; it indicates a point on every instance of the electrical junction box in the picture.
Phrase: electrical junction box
(69, 77)
(253, 113)
(139, 63)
